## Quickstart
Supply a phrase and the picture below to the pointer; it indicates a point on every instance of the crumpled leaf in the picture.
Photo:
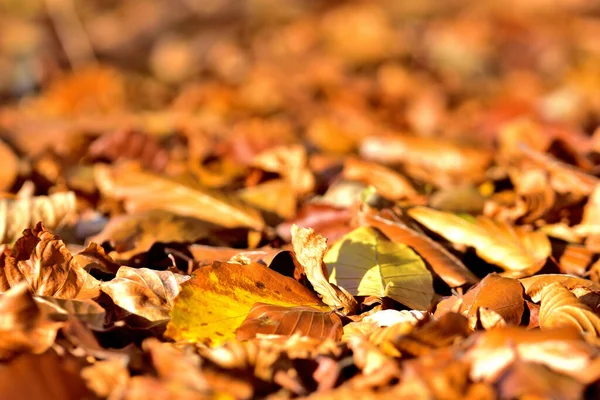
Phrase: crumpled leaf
(534, 285)
(518, 251)
(87, 311)
(145, 292)
(24, 326)
(41, 259)
(143, 191)
(310, 248)
(559, 307)
(279, 320)
(368, 264)
(24, 211)
(445, 264)
(503, 296)
(212, 304)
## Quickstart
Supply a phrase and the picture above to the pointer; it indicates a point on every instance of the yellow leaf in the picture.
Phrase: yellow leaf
(143, 191)
(367, 264)
(560, 308)
(518, 251)
(212, 304)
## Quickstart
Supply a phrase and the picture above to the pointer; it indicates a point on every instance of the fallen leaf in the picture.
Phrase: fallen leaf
(310, 249)
(106, 378)
(275, 196)
(367, 264)
(213, 304)
(145, 292)
(328, 221)
(136, 233)
(144, 191)
(518, 251)
(388, 182)
(503, 296)
(279, 320)
(86, 311)
(534, 285)
(291, 162)
(41, 259)
(24, 325)
(444, 264)
(559, 307)
(22, 212)
(10, 164)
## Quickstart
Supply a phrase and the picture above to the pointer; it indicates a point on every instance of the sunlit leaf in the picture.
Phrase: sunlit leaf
(41, 259)
(367, 264)
(213, 304)
(310, 249)
(518, 251)
(145, 292)
(144, 191)
(559, 307)
(279, 320)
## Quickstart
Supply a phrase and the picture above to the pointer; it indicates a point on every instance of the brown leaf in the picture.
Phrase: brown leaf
(136, 233)
(290, 162)
(328, 221)
(534, 285)
(276, 196)
(46, 376)
(131, 145)
(433, 159)
(106, 378)
(144, 191)
(10, 166)
(518, 251)
(278, 320)
(444, 264)
(503, 296)
(145, 292)
(310, 249)
(25, 211)
(559, 307)
(42, 260)
(388, 183)
(24, 326)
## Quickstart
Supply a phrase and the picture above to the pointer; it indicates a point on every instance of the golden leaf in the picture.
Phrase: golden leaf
(518, 251)
(144, 291)
(534, 285)
(42, 260)
(559, 307)
(144, 191)
(367, 264)
(310, 249)
(213, 304)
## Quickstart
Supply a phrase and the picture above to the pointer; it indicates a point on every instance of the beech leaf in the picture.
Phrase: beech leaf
(367, 264)
(279, 320)
(145, 292)
(214, 303)
(41, 259)
(559, 307)
(143, 191)
(518, 251)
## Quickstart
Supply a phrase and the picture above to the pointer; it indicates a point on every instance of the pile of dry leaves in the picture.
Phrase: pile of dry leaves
(376, 199)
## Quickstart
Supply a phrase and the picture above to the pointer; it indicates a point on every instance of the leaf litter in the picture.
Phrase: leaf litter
(299, 199)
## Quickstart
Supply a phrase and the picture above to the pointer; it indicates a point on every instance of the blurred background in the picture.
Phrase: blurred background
(341, 68)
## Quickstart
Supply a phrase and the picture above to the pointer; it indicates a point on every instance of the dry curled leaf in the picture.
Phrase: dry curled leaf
(310, 249)
(518, 251)
(534, 285)
(278, 320)
(41, 259)
(559, 307)
(145, 292)
(144, 191)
